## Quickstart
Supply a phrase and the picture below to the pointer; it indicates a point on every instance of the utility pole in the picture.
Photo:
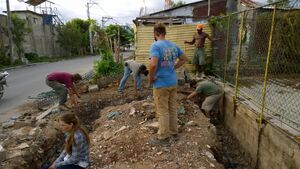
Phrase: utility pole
(9, 25)
(89, 5)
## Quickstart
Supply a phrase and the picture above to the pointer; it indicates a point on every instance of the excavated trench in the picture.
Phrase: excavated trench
(227, 151)
(88, 112)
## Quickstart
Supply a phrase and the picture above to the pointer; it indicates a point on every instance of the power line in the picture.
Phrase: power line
(108, 14)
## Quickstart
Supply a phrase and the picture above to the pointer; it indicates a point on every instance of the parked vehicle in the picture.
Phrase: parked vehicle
(3, 77)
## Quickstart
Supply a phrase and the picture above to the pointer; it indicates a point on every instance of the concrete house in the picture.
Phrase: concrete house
(42, 38)
(43, 22)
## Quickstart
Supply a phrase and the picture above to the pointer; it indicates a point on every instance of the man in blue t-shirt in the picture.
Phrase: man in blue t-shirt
(165, 58)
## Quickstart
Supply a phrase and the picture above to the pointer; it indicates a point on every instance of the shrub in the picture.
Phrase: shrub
(106, 66)
(4, 60)
(18, 62)
(32, 57)
(285, 52)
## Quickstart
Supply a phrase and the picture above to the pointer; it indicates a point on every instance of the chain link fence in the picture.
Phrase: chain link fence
(258, 52)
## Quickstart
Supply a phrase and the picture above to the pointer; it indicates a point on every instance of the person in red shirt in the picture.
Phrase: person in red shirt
(63, 84)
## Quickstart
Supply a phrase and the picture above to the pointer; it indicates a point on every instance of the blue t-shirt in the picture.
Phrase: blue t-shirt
(167, 53)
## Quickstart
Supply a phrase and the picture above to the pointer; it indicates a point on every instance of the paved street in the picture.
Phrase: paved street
(29, 81)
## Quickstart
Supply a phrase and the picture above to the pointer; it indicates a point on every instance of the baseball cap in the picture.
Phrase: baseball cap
(199, 26)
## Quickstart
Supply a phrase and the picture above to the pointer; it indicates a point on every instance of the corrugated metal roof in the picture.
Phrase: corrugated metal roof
(35, 2)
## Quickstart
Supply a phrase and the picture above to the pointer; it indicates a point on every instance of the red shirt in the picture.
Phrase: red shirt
(61, 77)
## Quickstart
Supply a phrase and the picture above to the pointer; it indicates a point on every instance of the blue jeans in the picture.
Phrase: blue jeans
(126, 75)
(70, 166)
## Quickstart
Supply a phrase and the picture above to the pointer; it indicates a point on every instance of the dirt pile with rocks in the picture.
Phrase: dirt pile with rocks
(120, 138)
(120, 126)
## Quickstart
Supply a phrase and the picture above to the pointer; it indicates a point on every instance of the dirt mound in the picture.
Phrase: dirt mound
(120, 134)
(120, 138)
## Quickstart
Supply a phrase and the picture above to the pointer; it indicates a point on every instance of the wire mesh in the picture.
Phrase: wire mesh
(283, 81)
(283, 89)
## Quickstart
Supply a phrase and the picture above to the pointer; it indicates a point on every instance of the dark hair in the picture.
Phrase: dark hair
(76, 77)
(143, 68)
(193, 82)
(160, 29)
(71, 118)
(146, 73)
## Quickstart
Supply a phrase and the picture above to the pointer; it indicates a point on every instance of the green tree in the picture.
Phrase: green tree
(4, 60)
(19, 31)
(100, 39)
(126, 34)
(179, 3)
(74, 36)
(70, 37)
(83, 26)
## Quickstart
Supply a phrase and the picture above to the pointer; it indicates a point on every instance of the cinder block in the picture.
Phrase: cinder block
(93, 88)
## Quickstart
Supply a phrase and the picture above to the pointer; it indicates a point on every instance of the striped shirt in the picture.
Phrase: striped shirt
(79, 155)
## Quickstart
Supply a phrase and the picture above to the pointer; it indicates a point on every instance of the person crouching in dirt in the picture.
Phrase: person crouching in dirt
(212, 93)
(76, 152)
(135, 69)
(63, 84)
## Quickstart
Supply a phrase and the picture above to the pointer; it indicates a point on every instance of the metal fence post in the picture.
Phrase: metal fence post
(267, 68)
(227, 46)
(238, 61)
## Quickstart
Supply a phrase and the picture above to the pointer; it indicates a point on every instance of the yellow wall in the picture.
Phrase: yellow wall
(176, 34)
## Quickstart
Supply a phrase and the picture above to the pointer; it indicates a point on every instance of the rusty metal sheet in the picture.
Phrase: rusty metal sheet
(35, 2)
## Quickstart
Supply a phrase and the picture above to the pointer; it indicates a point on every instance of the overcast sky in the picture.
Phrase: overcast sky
(123, 11)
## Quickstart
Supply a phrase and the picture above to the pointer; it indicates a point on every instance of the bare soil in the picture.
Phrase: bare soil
(122, 141)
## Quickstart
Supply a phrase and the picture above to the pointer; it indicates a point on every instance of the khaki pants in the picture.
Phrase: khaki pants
(211, 102)
(166, 110)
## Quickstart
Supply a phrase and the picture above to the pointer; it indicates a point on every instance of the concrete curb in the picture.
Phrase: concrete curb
(26, 65)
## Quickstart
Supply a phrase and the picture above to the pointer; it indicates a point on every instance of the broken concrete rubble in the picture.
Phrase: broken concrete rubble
(22, 146)
(93, 88)
(122, 142)
(132, 147)
(20, 124)
(8, 124)
(2, 154)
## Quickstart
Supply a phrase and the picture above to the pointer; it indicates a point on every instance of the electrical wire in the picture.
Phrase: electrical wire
(108, 14)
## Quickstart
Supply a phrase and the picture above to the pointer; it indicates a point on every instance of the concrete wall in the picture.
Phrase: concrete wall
(41, 40)
(3, 24)
(274, 148)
